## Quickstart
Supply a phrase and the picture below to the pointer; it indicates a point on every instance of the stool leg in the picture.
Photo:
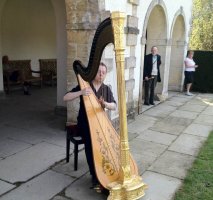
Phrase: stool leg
(76, 157)
(68, 151)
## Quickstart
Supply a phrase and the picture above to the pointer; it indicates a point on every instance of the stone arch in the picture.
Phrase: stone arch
(44, 45)
(152, 5)
(180, 12)
(178, 46)
(153, 35)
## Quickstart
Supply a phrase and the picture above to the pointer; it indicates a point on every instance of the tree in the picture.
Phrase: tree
(202, 25)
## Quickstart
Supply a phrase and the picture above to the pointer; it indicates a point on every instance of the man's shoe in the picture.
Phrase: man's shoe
(152, 103)
(147, 104)
(98, 188)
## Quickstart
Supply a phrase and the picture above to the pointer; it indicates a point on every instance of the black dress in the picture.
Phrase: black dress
(104, 92)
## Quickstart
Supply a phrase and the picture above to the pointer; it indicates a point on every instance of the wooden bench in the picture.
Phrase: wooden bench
(48, 68)
(25, 74)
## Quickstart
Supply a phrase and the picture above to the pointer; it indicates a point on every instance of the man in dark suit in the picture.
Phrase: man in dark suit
(151, 74)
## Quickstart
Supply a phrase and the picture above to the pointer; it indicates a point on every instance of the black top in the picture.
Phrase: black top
(104, 92)
(148, 65)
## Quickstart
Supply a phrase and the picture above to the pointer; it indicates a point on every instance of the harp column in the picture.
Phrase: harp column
(129, 186)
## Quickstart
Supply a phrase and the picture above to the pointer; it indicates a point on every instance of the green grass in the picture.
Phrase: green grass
(198, 184)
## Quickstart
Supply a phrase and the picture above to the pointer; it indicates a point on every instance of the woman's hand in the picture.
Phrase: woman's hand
(102, 102)
(86, 91)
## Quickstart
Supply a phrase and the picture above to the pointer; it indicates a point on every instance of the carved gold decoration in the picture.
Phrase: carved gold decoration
(129, 186)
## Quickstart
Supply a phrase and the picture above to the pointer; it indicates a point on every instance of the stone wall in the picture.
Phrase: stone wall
(83, 18)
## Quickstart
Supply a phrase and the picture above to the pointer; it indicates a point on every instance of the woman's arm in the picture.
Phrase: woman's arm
(73, 95)
(110, 106)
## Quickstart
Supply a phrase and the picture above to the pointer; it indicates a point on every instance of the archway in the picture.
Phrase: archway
(177, 54)
(35, 30)
(156, 35)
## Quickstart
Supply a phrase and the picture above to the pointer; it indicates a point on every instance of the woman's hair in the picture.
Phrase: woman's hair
(5, 59)
(102, 64)
(188, 52)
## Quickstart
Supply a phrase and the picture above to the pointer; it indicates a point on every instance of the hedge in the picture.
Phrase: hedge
(203, 77)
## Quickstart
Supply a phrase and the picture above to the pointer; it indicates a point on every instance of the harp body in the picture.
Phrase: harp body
(105, 140)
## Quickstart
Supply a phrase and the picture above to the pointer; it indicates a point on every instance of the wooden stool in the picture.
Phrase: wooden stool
(73, 136)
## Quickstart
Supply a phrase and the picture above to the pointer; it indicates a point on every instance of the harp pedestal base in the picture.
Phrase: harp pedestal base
(132, 190)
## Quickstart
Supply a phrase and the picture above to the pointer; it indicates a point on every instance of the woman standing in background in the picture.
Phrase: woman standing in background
(189, 71)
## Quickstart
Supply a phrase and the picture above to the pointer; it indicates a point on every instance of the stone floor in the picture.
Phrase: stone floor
(164, 141)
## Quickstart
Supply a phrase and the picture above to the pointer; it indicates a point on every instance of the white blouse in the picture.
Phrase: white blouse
(189, 65)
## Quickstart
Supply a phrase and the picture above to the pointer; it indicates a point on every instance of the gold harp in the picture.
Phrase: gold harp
(114, 166)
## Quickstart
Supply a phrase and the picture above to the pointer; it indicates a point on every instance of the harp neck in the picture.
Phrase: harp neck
(103, 37)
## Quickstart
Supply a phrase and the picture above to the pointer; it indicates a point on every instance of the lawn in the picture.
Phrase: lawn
(198, 183)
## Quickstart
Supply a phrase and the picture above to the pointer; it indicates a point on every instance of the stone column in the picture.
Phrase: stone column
(166, 70)
(132, 32)
(83, 18)
(185, 48)
(1, 71)
(140, 101)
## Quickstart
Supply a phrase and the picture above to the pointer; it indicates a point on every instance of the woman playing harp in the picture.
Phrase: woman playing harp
(107, 101)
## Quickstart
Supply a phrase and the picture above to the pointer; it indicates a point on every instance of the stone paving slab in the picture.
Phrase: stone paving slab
(183, 95)
(177, 121)
(80, 190)
(172, 164)
(60, 198)
(160, 187)
(200, 101)
(30, 162)
(5, 187)
(145, 107)
(198, 129)
(68, 168)
(157, 137)
(184, 114)
(140, 125)
(187, 144)
(143, 160)
(43, 187)
(166, 108)
(166, 127)
(179, 99)
(33, 137)
(145, 118)
(208, 111)
(132, 136)
(149, 148)
(23, 135)
(50, 125)
(158, 113)
(173, 103)
(205, 95)
(204, 119)
(192, 108)
(9, 147)
(57, 139)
